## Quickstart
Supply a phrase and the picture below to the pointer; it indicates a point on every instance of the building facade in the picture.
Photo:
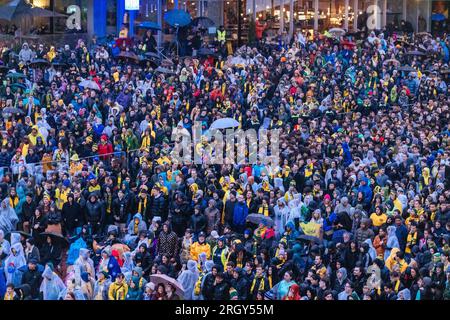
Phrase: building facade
(103, 17)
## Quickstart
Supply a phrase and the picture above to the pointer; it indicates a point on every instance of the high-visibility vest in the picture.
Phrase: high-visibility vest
(221, 35)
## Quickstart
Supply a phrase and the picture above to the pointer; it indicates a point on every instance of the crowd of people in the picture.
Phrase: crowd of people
(96, 208)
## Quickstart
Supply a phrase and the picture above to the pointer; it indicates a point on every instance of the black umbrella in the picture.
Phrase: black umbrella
(258, 218)
(4, 69)
(39, 63)
(24, 234)
(16, 75)
(128, 55)
(306, 237)
(57, 239)
(164, 70)
(415, 53)
(145, 60)
(406, 69)
(11, 110)
(202, 22)
(152, 55)
(206, 52)
(59, 64)
(16, 86)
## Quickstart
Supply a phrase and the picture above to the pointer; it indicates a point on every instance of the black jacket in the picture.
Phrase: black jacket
(50, 254)
(54, 217)
(158, 207)
(229, 211)
(180, 213)
(208, 287)
(198, 223)
(41, 222)
(5, 159)
(145, 261)
(120, 209)
(95, 212)
(28, 210)
(242, 287)
(33, 279)
(72, 215)
(221, 291)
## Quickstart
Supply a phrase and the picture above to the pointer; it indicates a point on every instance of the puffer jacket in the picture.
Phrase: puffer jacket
(158, 207)
(120, 209)
(94, 211)
(363, 234)
(198, 223)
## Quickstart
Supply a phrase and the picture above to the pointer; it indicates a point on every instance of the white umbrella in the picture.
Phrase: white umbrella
(224, 123)
(337, 31)
(238, 60)
(164, 279)
(90, 84)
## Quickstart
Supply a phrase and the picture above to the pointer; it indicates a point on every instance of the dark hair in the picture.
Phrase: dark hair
(72, 295)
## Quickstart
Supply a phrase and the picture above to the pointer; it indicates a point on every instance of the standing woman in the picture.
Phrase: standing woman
(52, 285)
(8, 217)
(38, 223)
(188, 278)
(13, 263)
(108, 196)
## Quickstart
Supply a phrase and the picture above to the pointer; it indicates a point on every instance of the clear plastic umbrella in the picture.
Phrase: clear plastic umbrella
(224, 123)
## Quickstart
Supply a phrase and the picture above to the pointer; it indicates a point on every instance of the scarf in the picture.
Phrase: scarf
(426, 176)
(122, 121)
(142, 205)
(146, 141)
(264, 209)
(9, 296)
(261, 284)
(108, 203)
(135, 227)
(13, 202)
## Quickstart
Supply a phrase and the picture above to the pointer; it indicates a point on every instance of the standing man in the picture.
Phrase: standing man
(221, 39)
(260, 27)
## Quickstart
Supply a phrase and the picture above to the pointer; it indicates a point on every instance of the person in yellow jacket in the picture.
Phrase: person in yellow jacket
(118, 289)
(412, 239)
(396, 261)
(75, 165)
(32, 137)
(378, 217)
(199, 247)
(61, 194)
(51, 54)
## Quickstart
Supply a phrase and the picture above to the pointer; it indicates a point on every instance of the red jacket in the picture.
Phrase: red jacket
(104, 149)
(259, 30)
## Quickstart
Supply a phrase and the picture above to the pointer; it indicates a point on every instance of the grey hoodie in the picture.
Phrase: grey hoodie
(26, 54)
